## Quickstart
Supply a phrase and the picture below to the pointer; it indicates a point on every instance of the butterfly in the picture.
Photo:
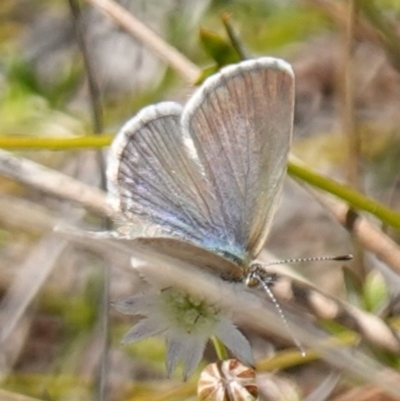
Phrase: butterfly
(201, 183)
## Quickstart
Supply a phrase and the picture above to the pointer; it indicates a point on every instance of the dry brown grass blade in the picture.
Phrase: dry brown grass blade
(53, 183)
(13, 214)
(149, 38)
(368, 235)
(364, 393)
(31, 275)
(30, 278)
(10, 396)
(371, 327)
(337, 12)
(370, 26)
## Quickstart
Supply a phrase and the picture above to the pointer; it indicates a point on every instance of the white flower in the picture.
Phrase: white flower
(187, 324)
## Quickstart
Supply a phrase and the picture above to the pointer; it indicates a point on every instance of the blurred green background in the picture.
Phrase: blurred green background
(346, 56)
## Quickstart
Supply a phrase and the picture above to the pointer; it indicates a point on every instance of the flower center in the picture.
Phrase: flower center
(187, 313)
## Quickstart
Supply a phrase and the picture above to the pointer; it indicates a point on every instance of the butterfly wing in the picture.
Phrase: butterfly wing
(209, 174)
(241, 121)
(194, 255)
(154, 180)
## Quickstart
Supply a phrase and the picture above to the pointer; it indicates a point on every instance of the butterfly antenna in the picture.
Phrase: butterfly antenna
(257, 275)
(266, 283)
(340, 258)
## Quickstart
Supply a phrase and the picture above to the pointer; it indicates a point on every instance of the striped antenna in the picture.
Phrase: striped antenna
(340, 258)
(267, 289)
(258, 276)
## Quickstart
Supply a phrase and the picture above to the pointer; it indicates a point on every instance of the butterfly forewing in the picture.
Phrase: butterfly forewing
(241, 123)
(150, 177)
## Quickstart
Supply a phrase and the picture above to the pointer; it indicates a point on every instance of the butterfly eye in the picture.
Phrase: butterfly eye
(252, 279)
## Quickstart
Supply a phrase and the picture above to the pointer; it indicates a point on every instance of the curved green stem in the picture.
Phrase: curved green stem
(220, 349)
(36, 143)
(344, 192)
(296, 170)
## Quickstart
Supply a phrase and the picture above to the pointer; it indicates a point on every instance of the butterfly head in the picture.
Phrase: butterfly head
(256, 275)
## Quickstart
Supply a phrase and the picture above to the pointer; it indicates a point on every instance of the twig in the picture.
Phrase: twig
(336, 11)
(346, 80)
(364, 393)
(97, 123)
(149, 38)
(369, 236)
(31, 276)
(347, 107)
(94, 89)
(10, 396)
(371, 327)
(13, 212)
(373, 27)
(389, 38)
(53, 183)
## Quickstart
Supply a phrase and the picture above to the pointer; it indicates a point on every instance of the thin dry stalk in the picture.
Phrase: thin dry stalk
(350, 132)
(53, 183)
(337, 12)
(97, 125)
(9, 396)
(30, 278)
(365, 393)
(149, 38)
(368, 235)
(346, 91)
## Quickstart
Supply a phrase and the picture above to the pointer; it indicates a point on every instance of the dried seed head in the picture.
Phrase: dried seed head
(227, 380)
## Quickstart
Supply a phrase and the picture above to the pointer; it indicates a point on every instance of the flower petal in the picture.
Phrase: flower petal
(174, 352)
(192, 354)
(146, 328)
(137, 305)
(235, 341)
(189, 348)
